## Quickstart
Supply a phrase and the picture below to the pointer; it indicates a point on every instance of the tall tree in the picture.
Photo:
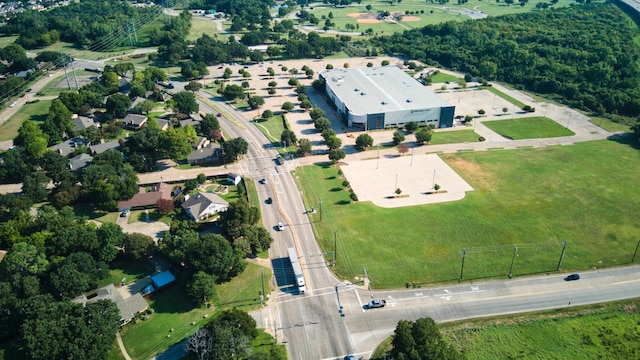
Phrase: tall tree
(185, 102)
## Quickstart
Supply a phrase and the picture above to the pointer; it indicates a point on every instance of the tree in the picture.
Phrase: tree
(238, 214)
(57, 126)
(117, 104)
(423, 135)
(336, 154)
(403, 149)
(233, 92)
(363, 141)
(201, 288)
(185, 102)
(234, 148)
(293, 82)
(110, 237)
(306, 104)
(287, 106)
(316, 113)
(209, 124)
(145, 107)
(31, 138)
(411, 126)
(333, 142)
(138, 246)
(304, 146)
(25, 259)
(272, 84)
(213, 254)
(398, 137)
(481, 112)
(322, 124)
(270, 71)
(255, 101)
(64, 329)
(193, 86)
(34, 187)
(288, 136)
(109, 179)
(165, 206)
(267, 114)
(227, 73)
(421, 340)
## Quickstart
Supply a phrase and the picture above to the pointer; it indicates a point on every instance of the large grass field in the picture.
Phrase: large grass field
(600, 331)
(35, 112)
(528, 128)
(534, 198)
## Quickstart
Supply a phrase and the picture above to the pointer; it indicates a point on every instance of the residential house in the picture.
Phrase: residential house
(163, 124)
(145, 198)
(67, 147)
(129, 307)
(208, 155)
(135, 102)
(102, 147)
(203, 205)
(202, 142)
(158, 282)
(82, 122)
(134, 121)
(78, 162)
(196, 117)
(189, 121)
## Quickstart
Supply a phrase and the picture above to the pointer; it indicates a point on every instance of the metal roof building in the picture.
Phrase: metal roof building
(384, 97)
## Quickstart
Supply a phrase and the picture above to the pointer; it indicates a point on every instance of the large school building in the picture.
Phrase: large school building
(384, 97)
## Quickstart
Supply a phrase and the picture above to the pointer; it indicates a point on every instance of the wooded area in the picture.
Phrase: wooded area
(583, 54)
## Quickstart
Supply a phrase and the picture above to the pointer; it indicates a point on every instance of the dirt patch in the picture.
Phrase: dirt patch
(410, 18)
(483, 181)
(368, 21)
(357, 15)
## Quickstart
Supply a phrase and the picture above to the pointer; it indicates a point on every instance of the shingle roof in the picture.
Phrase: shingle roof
(202, 200)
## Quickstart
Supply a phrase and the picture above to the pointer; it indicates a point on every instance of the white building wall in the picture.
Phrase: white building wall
(421, 116)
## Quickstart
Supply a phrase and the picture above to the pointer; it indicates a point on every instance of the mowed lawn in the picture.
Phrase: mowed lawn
(35, 112)
(528, 128)
(583, 194)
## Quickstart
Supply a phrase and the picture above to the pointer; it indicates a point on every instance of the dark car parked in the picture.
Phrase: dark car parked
(572, 277)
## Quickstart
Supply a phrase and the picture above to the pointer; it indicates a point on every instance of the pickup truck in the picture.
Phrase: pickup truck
(376, 304)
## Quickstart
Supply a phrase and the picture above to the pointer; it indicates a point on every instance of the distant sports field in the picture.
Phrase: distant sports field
(414, 14)
(536, 199)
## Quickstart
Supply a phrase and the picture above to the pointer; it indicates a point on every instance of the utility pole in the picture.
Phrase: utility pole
(335, 246)
(515, 253)
(635, 252)
(135, 34)
(433, 186)
(64, 65)
(464, 255)
(73, 71)
(564, 247)
(320, 202)
(262, 296)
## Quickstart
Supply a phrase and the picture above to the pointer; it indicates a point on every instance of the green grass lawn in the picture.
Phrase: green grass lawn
(35, 112)
(600, 331)
(510, 99)
(610, 125)
(173, 310)
(200, 25)
(453, 137)
(441, 77)
(528, 128)
(132, 271)
(535, 198)
(272, 129)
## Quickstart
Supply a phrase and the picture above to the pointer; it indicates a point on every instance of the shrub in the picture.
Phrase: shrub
(345, 183)
(398, 191)
(353, 196)
(437, 187)
(481, 138)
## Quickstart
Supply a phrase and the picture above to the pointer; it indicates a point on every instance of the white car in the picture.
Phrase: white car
(280, 226)
(13, 104)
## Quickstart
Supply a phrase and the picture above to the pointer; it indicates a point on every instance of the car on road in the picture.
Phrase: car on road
(124, 213)
(269, 200)
(13, 104)
(280, 226)
(373, 304)
(572, 277)
(262, 181)
(350, 357)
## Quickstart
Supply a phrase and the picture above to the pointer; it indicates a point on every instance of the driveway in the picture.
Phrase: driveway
(155, 229)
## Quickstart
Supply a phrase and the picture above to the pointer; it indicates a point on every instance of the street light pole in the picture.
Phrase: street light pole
(411, 164)
(320, 202)
(515, 253)
(434, 180)
(335, 246)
